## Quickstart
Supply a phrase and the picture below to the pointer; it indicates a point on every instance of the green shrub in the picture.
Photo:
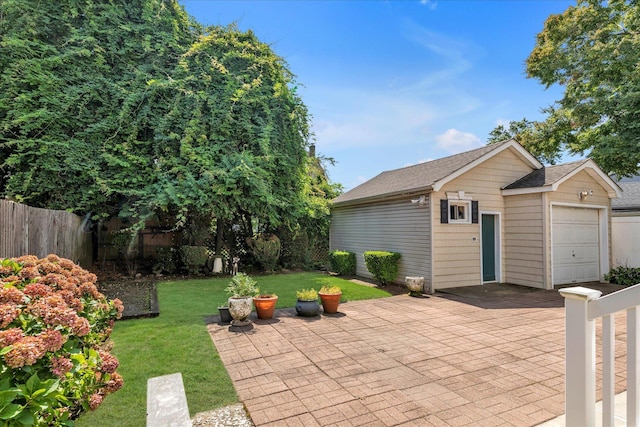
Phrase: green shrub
(382, 265)
(194, 258)
(266, 249)
(167, 261)
(343, 262)
(623, 275)
(55, 360)
(242, 285)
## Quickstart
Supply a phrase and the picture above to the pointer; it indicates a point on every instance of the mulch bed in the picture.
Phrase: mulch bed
(139, 296)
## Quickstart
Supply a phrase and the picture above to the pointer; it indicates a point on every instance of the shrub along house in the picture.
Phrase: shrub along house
(494, 214)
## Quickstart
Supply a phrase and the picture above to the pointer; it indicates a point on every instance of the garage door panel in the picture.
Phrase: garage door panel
(576, 245)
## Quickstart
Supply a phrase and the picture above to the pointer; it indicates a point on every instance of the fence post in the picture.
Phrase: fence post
(580, 357)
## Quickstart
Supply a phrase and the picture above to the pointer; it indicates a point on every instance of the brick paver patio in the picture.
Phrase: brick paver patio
(447, 360)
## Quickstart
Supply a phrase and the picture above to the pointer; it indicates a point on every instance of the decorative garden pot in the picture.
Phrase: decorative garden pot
(240, 309)
(225, 316)
(330, 302)
(307, 308)
(265, 306)
(414, 284)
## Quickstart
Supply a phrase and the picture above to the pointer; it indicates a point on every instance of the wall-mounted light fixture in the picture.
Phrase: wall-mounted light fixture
(582, 195)
(421, 201)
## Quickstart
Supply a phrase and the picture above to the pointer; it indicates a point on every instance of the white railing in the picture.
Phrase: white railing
(582, 307)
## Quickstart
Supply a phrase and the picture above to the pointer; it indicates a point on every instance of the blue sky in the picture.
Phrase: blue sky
(394, 83)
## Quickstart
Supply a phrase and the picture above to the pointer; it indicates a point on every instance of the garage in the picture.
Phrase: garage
(575, 245)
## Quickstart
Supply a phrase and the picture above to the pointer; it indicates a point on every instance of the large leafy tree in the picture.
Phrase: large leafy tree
(133, 109)
(231, 144)
(593, 51)
(74, 132)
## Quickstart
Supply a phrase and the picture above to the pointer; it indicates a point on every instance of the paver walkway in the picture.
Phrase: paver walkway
(491, 359)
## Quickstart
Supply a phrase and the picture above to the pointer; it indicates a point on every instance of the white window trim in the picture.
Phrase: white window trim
(467, 211)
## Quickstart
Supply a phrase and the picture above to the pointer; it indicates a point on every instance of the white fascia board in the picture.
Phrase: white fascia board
(512, 143)
(596, 173)
(531, 190)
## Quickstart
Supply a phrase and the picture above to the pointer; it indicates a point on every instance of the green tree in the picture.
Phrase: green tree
(231, 145)
(74, 131)
(592, 50)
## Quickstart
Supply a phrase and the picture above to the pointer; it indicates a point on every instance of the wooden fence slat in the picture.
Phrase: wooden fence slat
(25, 230)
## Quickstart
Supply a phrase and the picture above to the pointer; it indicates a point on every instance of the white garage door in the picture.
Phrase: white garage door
(576, 245)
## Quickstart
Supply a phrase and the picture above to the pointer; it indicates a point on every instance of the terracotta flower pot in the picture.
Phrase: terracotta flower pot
(330, 302)
(265, 306)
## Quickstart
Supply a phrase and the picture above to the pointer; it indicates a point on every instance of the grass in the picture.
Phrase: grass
(178, 341)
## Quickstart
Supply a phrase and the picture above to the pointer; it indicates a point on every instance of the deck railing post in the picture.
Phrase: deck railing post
(580, 357)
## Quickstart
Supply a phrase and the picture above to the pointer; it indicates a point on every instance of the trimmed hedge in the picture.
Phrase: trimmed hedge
(343, 262)
(382, 265)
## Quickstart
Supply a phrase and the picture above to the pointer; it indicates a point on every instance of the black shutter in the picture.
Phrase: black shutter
(444, 211)
(474, 211)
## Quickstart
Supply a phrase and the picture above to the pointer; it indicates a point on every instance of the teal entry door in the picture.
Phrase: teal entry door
(488, 248)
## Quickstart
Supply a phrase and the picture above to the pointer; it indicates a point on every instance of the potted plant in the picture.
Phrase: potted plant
(307, 304)
(223, 311)
(330, 297)
(241, 289)
(265, 305)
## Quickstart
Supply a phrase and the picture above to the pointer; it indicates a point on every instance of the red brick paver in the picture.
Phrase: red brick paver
(446, 360)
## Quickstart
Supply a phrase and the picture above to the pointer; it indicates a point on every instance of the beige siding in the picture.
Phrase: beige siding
(457, 247)
(523, 240)
(399, 226)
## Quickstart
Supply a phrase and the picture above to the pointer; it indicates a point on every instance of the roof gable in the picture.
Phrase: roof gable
(550, 178)
(429, 176)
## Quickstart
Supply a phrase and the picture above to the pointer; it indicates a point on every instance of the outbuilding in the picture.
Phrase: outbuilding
(493, 214)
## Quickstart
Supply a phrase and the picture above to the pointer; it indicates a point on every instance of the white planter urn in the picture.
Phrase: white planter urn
(240, 309)
(415, 284)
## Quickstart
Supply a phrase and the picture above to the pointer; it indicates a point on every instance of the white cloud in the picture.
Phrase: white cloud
(431, 4)
(456, 141)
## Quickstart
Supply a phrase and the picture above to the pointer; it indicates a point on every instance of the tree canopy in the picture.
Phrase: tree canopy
(133, 109)
(593, 50)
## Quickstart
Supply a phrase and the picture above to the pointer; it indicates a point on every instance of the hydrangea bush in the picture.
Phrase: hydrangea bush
(55, 359)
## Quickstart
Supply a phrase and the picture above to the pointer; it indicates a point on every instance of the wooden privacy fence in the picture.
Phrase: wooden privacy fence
(25, 230)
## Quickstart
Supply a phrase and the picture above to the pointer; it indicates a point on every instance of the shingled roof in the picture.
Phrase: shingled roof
(423, 176)
(630, 200)
(547, 176)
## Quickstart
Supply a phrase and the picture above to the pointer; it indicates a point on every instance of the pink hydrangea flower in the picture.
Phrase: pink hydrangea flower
(9, 336)
(109, 363)
(11, 295)
(8, 313)
(25, 352)
(60, 366)
(52, 340)
(95, 400)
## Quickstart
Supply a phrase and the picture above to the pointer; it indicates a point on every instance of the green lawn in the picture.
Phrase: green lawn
(177, 341)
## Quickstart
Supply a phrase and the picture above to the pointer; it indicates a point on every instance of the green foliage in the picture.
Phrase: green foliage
(55, 326)
(331, 290)
(343, 262)
(623, 275)
(266, 249)
(167, 261)
(135, 110)
(242, 285)
(194, 258)
(307, 294)
(592, 49)
(382, 265)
